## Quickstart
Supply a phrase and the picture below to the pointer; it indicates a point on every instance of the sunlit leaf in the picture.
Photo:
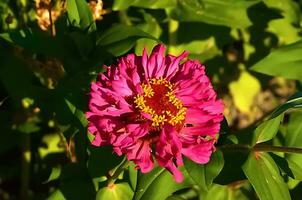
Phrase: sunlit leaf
(149, 184)
(204, 175)
(120, 39)
(115, 192)
(231, 13)
(80, 15)
(267, 130)
(56, 195)
(155, 4)
(285, 61)
(54, 174)
(263, 174)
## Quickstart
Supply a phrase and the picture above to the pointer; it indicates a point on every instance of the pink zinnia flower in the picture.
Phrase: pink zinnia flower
(155, 106)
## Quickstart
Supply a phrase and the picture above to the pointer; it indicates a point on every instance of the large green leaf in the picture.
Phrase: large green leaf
(294, 102)
(115, 192)
(120, 38)
(231, 13)
(204, 175)
(285, 61)
(263, 174)
(154, 4)
(268, 129)
(79, 15)
(220, 192)
(288, 167)
(56, 195)
(158, 184)
(293, 138)
(152, 27)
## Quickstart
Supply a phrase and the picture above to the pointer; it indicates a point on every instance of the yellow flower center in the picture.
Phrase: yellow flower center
(160, 102)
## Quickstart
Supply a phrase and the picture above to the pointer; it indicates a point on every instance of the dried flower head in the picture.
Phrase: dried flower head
(155, 106)
(97, 9)
(48, 12)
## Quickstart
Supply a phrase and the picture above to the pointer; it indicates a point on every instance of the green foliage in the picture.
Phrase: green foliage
(204, 175)
(149, 184)
(80, 15)
(288, 57)
(116, 192)
(263, 173)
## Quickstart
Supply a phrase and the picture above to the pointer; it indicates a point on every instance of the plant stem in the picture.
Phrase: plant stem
(25, 167)
(124, 164)
(260, 147)
(52, 26)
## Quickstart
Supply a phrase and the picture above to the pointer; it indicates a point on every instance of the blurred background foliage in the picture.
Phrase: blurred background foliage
(50, 51)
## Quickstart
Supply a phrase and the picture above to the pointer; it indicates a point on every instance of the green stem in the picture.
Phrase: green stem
(260, 147)
(25, 167)
(124, 164)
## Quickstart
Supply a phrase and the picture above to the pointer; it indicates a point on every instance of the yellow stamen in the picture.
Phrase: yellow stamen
(159, 119)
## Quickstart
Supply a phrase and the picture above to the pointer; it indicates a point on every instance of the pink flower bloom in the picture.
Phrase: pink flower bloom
(155, 107)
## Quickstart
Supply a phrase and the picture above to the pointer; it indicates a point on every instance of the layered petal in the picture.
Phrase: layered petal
(140, 154)
(200, 152)
(168, 151)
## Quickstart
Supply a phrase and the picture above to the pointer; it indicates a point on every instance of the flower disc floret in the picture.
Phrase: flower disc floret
(159, 101)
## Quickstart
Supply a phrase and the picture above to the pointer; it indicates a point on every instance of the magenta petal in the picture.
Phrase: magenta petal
(199, 153)
(168, 150)
(140, 154)
(178, 177)
(173, 64)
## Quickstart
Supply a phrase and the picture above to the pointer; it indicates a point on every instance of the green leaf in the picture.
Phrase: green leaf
(133, 172)
(288, 57)
(154, 4)
(54, 174)
(285, 28)
(120, 39)
(152, 27)
(221, 192)
(267, 130)
(204, 175)
(263, 174)
(231, 13)
(150, 186)
(294, 102)
(116, 192)
(79, 15)
(56, 195)
(79, 114)
(288, 167)
(293, 137)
